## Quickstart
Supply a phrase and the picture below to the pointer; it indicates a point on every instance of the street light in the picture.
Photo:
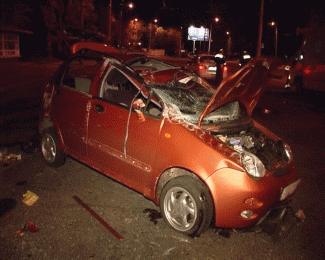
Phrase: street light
(273, 24)
(216, 20)
(129, 5)
(228, 44)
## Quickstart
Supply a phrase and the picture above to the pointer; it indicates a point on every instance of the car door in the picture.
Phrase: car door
(70, 104)
(121, 144)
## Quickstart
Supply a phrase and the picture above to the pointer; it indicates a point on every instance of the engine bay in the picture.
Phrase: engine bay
(269, 151)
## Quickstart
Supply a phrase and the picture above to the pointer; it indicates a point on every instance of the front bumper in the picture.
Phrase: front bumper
(241, 202)
(277, 222)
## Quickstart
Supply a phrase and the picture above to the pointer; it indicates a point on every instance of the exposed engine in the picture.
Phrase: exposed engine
(254, 141)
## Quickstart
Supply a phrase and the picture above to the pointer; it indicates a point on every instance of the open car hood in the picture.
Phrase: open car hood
(245, 86)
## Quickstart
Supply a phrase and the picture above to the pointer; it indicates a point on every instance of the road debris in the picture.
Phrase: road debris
(29, 198)
(300, 215)
(28, 226)
(6, 158)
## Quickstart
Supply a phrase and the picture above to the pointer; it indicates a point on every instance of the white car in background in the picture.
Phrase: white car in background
(203, 65)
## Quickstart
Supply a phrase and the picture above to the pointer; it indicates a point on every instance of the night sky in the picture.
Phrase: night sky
(234, 14)
(238, 17)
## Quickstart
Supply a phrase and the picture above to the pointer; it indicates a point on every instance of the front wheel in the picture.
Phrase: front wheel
(186, 205)
(50, 148)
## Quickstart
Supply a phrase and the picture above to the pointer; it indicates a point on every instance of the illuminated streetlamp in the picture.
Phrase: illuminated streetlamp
(130, 5)
(273, 24)
(216, 20)
(228, 43)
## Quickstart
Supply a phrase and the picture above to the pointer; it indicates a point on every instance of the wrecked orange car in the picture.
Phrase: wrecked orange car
(167, 134)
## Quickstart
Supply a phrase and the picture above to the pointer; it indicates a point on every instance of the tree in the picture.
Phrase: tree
(169, 39)
(62, 14)
(16, 14)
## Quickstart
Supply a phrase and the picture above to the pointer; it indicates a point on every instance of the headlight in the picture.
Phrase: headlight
(252, 165)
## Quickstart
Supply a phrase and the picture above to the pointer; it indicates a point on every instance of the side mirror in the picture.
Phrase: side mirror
(136, 106)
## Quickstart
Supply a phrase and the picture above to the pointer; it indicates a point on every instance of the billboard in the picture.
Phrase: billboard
(198, 34)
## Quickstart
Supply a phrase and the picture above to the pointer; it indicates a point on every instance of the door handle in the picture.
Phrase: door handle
(99, 108)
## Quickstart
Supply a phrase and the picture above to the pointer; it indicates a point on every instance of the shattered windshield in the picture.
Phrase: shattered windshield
(186, 99)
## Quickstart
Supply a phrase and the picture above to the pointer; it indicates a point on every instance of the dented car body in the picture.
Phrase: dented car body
(169, 135)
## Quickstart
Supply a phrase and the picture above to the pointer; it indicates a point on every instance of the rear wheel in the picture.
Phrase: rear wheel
(186, 205)
(50, 148)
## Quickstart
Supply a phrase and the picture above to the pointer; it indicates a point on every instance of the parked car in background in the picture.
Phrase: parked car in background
(193, 150)
(204, 65)
(234, 62)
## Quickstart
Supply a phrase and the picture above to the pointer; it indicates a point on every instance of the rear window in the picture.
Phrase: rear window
(207, 58)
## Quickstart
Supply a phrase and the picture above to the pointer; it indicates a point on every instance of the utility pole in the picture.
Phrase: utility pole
(110, 22)
(260, 31)
(121, 18)
(82, 14)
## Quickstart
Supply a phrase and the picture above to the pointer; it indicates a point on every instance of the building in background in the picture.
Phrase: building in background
(9, 41)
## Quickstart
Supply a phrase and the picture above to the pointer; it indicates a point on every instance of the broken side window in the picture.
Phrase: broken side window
(117, 88)
(80, 73)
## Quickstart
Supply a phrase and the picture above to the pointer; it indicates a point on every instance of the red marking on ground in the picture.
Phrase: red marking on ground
(101, 221)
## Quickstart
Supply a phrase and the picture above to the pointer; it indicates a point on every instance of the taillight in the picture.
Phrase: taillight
(202, 67)
(307, 70)
(225, 68)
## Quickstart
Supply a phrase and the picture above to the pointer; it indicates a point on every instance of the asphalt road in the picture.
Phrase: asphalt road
(66, 230)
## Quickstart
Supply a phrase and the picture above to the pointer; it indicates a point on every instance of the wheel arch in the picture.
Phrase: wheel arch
(172, 173)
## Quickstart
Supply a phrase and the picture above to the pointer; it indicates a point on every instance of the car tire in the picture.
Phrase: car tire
(186, 205)
(50, 148)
